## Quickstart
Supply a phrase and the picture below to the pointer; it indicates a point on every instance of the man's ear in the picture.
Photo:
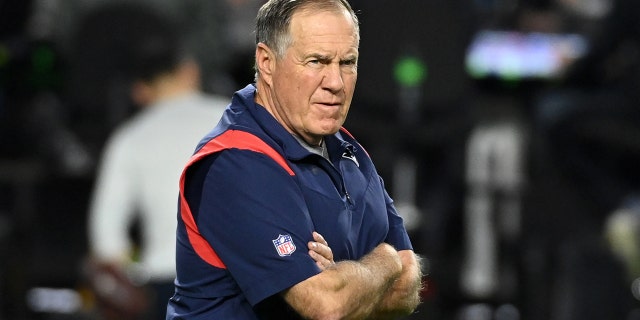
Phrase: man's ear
(265, 62)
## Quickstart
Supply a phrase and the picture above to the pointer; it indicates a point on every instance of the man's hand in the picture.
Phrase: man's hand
(404, 296)
(401, 299)
(320, 252)
(348, 289)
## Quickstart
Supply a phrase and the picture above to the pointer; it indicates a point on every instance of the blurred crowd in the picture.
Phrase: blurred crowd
(507, 131)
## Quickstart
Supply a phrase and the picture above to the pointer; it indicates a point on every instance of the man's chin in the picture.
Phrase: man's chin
(328, 132)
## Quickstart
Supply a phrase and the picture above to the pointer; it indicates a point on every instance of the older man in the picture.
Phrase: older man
(278, 191)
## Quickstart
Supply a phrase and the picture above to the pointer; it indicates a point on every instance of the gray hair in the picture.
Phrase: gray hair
(274, 19)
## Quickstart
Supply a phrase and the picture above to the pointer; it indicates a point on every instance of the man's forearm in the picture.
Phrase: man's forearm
(403, 296)
(349, 289)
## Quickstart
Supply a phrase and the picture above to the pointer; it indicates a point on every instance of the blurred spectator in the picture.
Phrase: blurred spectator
(139, 171)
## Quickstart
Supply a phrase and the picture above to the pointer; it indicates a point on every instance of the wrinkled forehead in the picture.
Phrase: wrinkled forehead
(301, 19)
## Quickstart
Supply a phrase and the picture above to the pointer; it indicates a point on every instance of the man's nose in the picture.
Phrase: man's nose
(333, 80)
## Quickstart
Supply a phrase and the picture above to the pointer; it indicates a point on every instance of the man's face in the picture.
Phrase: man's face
(314, 82)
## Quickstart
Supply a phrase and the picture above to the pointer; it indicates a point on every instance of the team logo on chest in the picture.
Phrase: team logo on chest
(349, 155)
(284, 245)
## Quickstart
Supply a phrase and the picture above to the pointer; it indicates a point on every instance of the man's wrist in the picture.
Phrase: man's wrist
(384, 263)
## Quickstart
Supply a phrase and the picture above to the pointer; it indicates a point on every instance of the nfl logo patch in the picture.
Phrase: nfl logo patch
(284, 245)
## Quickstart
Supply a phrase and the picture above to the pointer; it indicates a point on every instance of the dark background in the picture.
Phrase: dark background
(581, 146)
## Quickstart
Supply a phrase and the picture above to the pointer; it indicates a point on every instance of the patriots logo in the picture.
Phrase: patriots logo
(284, 245)
(349, 155)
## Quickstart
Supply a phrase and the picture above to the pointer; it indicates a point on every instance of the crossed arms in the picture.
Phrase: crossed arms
(384, 284)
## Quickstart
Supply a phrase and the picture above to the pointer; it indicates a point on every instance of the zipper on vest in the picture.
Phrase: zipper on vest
(346, 194)
(337, 177)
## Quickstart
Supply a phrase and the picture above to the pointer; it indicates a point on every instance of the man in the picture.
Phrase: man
(279, 190)
(143, 158)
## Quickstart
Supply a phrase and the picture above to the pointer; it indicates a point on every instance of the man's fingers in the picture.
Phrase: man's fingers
(321, 248)
(322, 262)
(319, 238)
(321, 253)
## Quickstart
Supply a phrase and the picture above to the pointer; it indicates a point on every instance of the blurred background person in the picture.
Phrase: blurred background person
(137, 177)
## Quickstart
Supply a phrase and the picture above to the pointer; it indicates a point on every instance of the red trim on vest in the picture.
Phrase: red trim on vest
(343, 129)
(354, 139)
(232, 139)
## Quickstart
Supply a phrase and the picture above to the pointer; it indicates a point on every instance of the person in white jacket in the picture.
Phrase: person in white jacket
(143, 158)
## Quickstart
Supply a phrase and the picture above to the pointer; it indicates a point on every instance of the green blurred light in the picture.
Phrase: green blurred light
(43, 59)
(4, 56)
(43, 74)
(475, 72)
(410, 71)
